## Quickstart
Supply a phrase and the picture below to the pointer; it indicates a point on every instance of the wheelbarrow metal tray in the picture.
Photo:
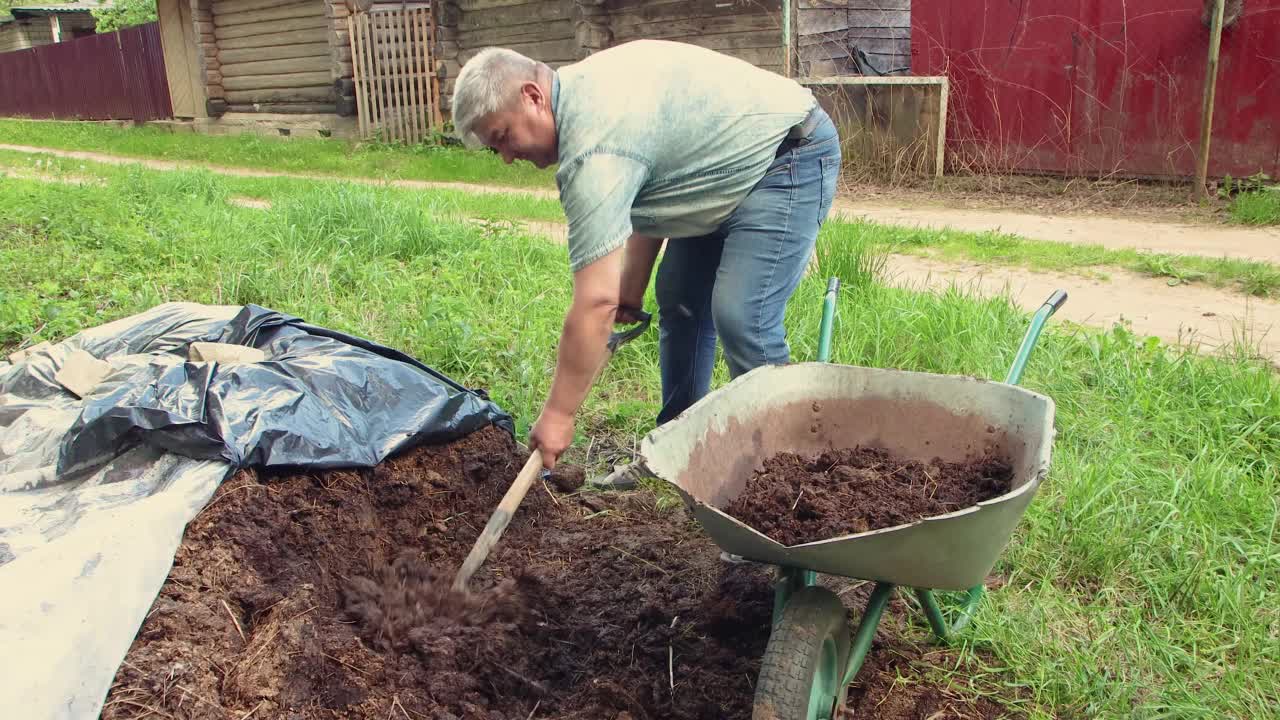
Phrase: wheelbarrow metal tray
(711, 450)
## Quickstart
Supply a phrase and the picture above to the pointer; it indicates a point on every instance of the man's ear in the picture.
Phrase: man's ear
(532, 92)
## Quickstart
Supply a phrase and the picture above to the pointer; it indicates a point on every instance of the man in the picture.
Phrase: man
(735, 166)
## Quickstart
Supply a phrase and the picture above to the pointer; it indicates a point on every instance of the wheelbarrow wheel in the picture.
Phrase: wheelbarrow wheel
(801, 676)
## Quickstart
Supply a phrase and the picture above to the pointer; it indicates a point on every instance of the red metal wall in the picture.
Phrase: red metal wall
(114, 76)
(1101, 86)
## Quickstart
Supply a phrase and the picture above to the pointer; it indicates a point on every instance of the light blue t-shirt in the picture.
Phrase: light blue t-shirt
(664, 139)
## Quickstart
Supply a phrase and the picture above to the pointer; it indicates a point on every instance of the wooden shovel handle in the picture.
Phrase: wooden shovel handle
(498, 520)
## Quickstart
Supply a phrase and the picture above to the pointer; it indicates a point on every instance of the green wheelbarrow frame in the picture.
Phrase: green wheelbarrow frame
(950, 552)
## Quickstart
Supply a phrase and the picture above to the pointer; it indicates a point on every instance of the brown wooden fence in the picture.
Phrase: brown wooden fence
(397, 90)
(113, 76)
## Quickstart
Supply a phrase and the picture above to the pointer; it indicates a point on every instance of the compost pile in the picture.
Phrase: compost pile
(796, 499)
(327, 595)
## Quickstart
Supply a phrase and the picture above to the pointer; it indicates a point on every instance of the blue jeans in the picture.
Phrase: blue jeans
(735, 282)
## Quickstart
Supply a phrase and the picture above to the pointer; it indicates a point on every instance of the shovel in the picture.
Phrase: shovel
(515, 494)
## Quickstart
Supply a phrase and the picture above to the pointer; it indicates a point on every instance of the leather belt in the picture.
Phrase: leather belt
(805, 128)
(800, 133)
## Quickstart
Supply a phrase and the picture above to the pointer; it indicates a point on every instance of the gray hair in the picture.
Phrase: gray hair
(485, 86)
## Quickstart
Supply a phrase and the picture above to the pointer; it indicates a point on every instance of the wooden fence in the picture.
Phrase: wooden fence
(397, 89)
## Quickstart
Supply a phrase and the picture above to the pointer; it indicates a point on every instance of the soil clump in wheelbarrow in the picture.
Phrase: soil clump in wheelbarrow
(796, 499)
(326, 595)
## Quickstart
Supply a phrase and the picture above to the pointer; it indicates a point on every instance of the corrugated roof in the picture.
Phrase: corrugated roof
(78, 6)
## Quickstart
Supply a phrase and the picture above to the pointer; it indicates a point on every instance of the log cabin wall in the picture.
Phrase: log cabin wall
(747, 29)
(272, 57)
(563, 31)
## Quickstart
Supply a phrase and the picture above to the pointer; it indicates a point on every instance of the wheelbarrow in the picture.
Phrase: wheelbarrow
(710, 451)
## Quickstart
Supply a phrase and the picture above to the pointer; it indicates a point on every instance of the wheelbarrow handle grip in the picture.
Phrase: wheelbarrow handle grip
(1056, 301)
(620, 338)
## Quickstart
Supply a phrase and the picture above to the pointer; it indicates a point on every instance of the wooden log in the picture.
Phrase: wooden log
(668, 29)
(318, 93)
(448, 14)
(213, 76)
(315, 63)
(275, 29)
(470, 5)
(298, 37)
(284, 12)
(550, 51)
(502, 36)
(204, 27)
(735, 41)
(758, 56)
(593, 36)
(299, 108)
(239, 6)
(289, 80)
(530, 14)
(274, 52)
(689, 9)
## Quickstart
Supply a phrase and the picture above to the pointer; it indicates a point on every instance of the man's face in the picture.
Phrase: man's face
(525, 130)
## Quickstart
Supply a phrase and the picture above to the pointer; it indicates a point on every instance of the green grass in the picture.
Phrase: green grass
(1143, 582)
(448, 164)
(295, 155)
(438, 201)
(1257, 207)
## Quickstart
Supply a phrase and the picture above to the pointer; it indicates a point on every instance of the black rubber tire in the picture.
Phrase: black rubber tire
(813, 617)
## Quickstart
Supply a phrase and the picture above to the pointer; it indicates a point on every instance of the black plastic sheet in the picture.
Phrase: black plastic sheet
(321, 399)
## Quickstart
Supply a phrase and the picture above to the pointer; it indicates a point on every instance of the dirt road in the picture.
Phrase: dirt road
(1111, 232)
(1198, 315)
